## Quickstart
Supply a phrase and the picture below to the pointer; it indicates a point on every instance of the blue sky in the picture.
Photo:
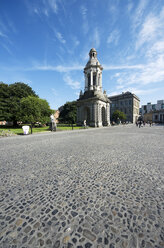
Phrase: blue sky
(45, 43)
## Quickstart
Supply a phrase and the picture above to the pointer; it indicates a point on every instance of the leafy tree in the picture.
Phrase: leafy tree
(10, 97)
(117, 114)
(33, 109)
(68, 113)
(4, 102)
(17, 91)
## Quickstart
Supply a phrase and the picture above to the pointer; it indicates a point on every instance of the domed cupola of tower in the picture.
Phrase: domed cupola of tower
(93, 53)
(93, 72)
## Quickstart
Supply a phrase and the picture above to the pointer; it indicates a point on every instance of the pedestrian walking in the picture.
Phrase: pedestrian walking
(85, 123)
(140, 124)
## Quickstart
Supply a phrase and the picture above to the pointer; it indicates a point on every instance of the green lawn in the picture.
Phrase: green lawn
(62, 128)
(9, 130)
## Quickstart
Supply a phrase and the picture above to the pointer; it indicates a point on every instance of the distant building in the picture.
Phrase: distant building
(158, 116)
(148, 117)
(93, 106)
(6, 123)
(56, 115)
(149, 107)
(128, 103)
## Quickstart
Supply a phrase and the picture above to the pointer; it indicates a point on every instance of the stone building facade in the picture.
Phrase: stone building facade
(158, 116)
(93, 105)
(128, 103)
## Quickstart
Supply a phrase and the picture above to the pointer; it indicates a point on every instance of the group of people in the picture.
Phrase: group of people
(141, 123)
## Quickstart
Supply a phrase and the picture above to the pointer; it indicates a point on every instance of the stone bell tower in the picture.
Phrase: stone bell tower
(93, 104)
(93, 72)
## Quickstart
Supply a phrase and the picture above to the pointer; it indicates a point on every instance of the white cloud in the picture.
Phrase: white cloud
(137, 17)
(119, 86)
(3, 35)
(83, 10)
(129, 6)
(58, 68)
(156, 49)
(7, 48)
(6, 28)
(136, 91)
(122, 67)
(96, 38)
(53, 5)
(60, 37)
(77, 94)
(85, 26)
(152, 29)
(113, 8)
(43, 7)
(76, 42)
(152, 72)
(73, 84)
(113, 37)
(114, 93)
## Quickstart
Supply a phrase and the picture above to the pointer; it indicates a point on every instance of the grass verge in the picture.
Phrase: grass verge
(9, 131)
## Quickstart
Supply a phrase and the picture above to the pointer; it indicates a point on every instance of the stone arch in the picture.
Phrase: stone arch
(87, 115)
(103, 115)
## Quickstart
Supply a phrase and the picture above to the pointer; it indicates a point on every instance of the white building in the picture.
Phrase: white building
(152, 107)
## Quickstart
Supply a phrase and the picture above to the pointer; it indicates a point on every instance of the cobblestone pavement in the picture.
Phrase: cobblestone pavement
(89, 188)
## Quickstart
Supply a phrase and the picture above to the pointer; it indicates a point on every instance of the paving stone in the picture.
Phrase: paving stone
(89, 235)
(88, 188)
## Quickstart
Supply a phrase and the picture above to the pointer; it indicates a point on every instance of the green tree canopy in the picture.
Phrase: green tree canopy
(33, 109)
(10, 96)
(4, 102)
(68, 113)
(117, 114)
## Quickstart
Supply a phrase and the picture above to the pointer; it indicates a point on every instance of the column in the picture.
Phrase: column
(99, 115)
(86, 82)
(94, 115)
(97, 80)
(100, 80)
(107, 114)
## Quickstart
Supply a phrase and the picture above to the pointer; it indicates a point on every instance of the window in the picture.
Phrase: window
(162, 106)
(89, 80)
(130, 102)
(153, 107)
(156, 117)
(94, 79)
